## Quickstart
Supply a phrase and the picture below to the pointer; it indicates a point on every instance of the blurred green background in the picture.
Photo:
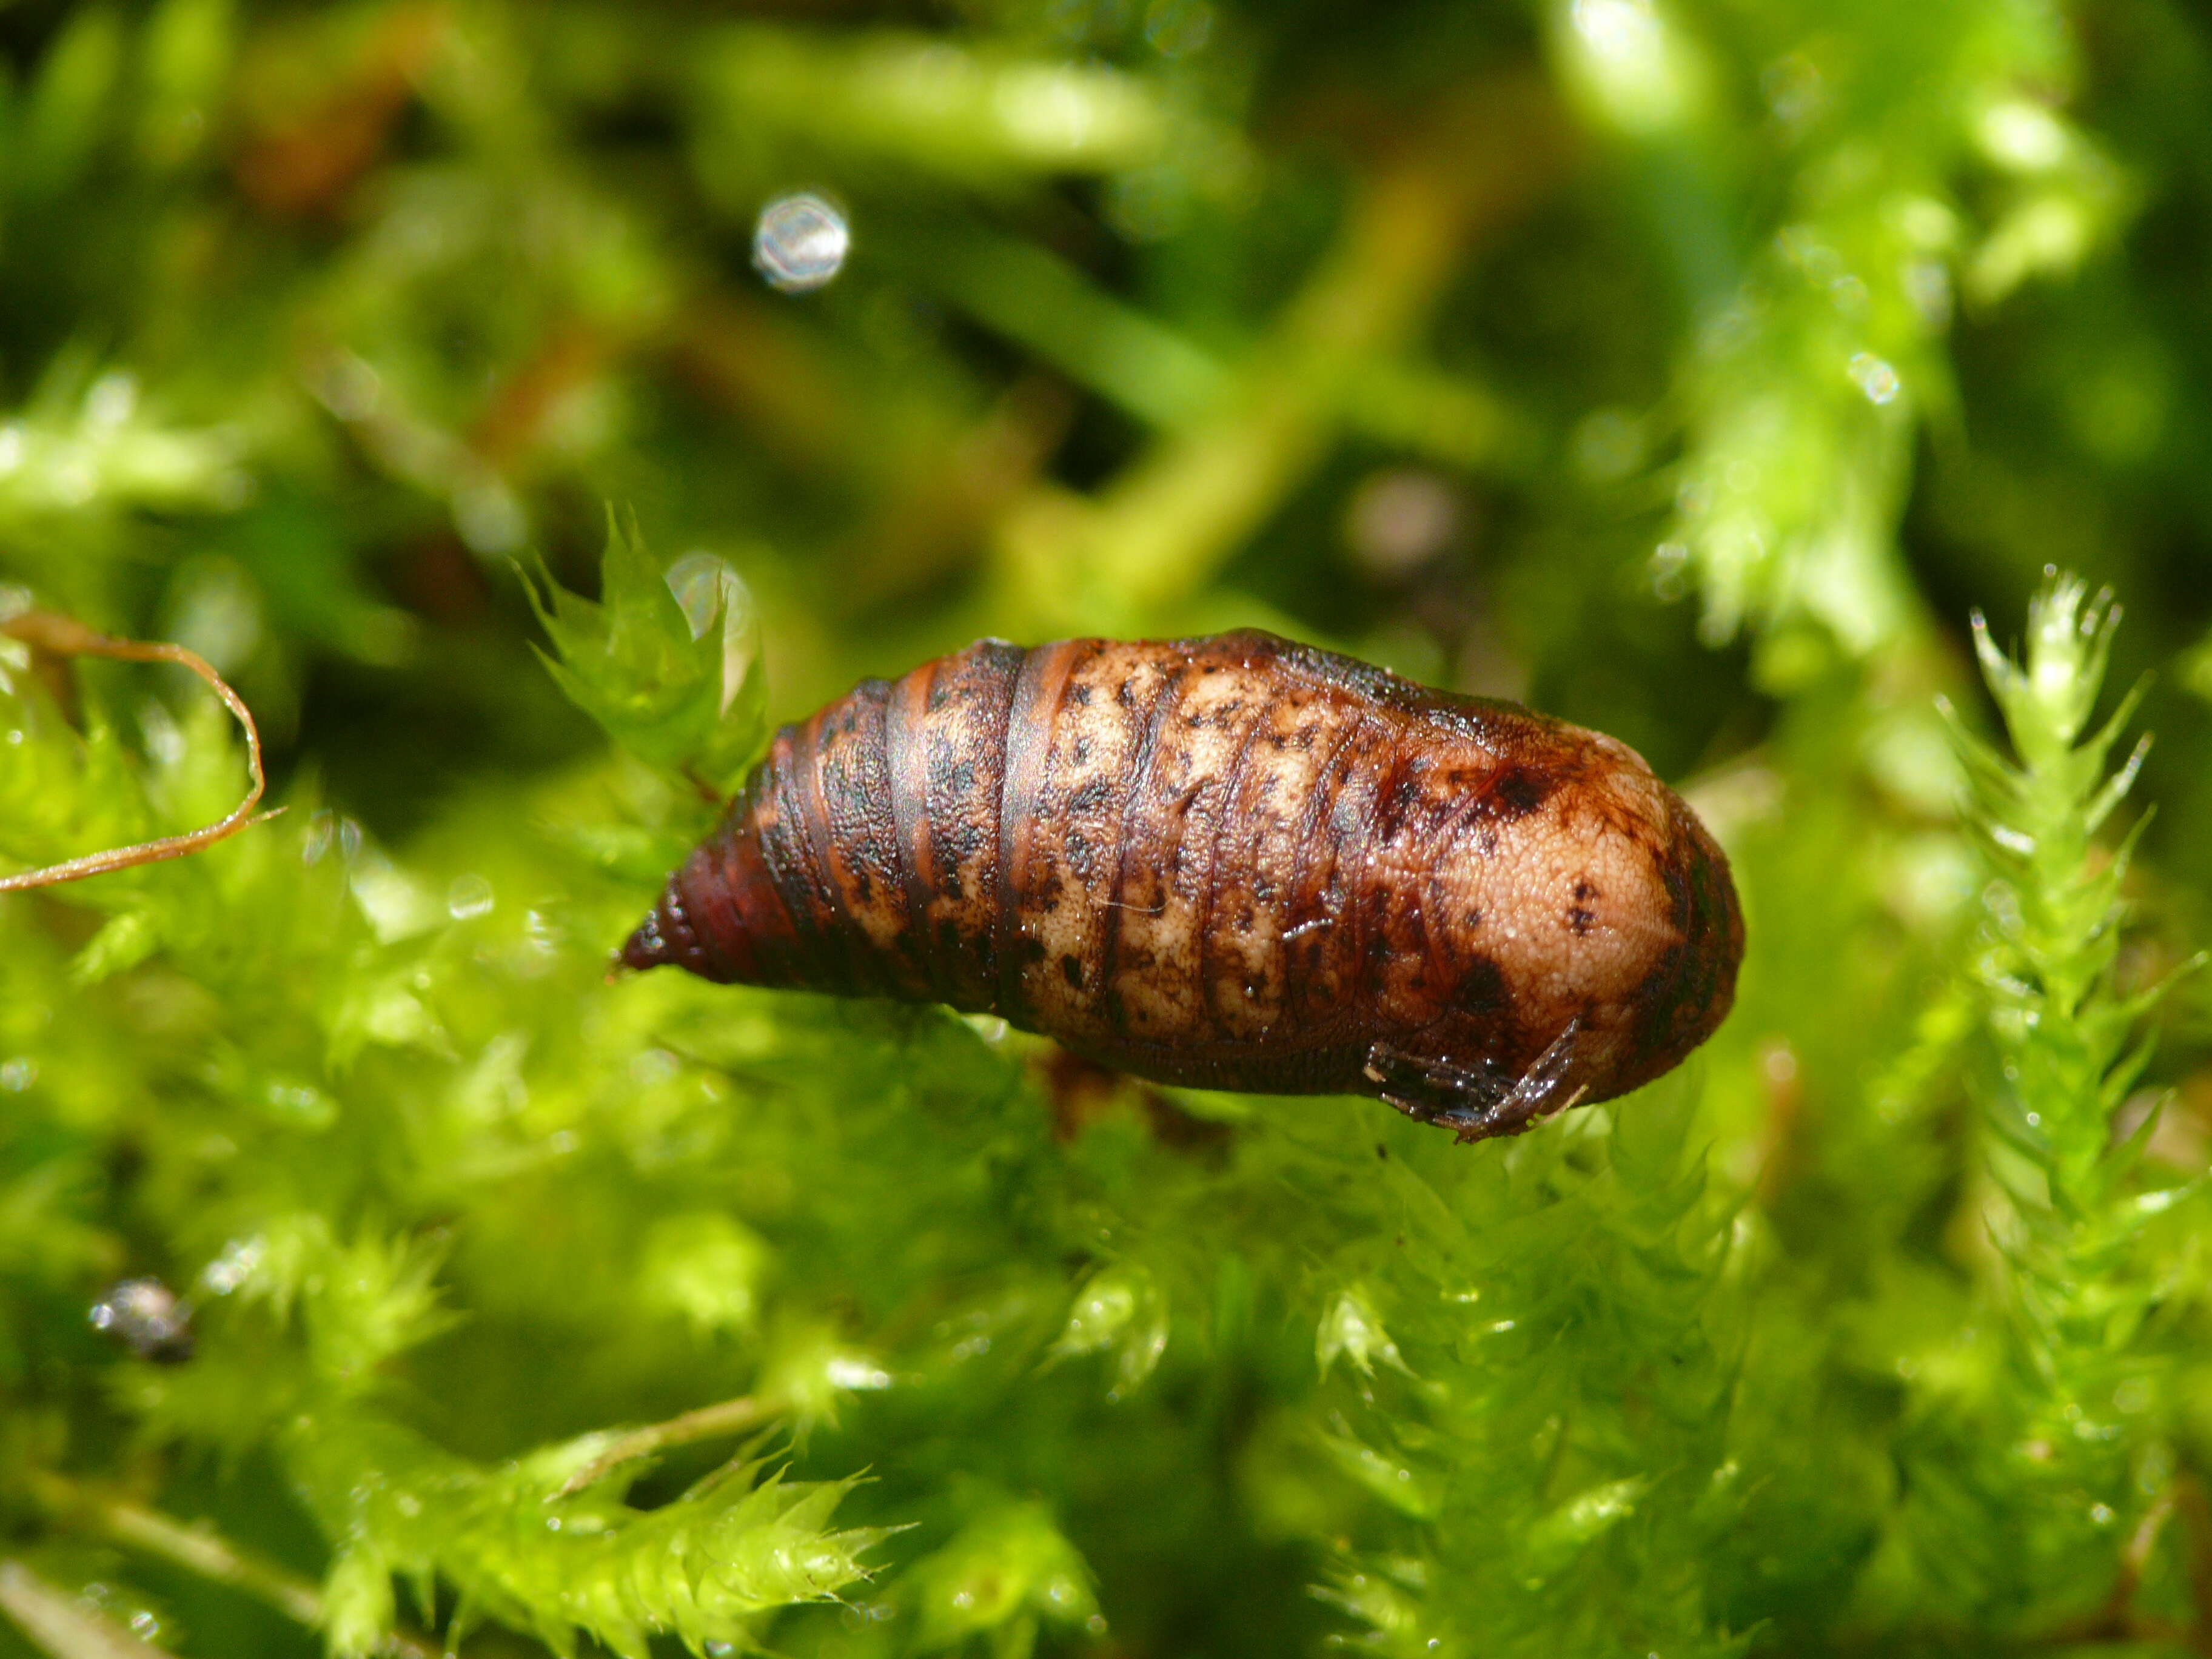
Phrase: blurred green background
(1689, 368)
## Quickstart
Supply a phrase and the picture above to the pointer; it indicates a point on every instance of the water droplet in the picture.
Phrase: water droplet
(844, 1373)
(704, 587)
(300, 1104)
(1874, 377)
(469, 897)
(146, 1317)
(239, 1260)
(800, 243)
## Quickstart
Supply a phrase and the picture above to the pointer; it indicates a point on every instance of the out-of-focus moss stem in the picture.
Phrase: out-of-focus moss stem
(1161, 531)
(200, 1549)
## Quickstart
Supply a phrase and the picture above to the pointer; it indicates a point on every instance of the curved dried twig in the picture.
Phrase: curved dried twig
(65, 636)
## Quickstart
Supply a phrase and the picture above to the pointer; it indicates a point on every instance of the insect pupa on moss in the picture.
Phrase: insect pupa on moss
(1232, 862)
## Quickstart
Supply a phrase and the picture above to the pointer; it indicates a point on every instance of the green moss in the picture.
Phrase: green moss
(1693, 371)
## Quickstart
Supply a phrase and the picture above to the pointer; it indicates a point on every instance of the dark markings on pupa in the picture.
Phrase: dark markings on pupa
(1349, 882)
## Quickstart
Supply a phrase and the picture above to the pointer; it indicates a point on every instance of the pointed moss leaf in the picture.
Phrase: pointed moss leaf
(270, 1264)
(1926, 1298)
(2069, 1047)
(1119, 1310)
(1408, 1489)
(63, 793)
(1351, 1330)
(370, 1300)
(2115, 787)
(1394, 1619)
(666, 661)
(123, 942)
(809, 1370)
(1009, 1566)
(358, 1604)
(383, 1011)
(701, 1567)
(359, 1302)
(1567, 1530)
(631, 852)
(705, 1268)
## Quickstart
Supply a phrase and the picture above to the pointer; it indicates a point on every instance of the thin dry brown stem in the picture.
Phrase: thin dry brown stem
(707, 1423)
(64, 636)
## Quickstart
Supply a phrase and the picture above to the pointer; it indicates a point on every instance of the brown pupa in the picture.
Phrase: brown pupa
(1230, 863)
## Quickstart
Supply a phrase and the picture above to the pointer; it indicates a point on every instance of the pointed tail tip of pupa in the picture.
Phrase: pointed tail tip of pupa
(645, 948)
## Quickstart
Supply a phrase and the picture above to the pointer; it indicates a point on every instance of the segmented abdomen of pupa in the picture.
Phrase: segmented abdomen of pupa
(1229, 862)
